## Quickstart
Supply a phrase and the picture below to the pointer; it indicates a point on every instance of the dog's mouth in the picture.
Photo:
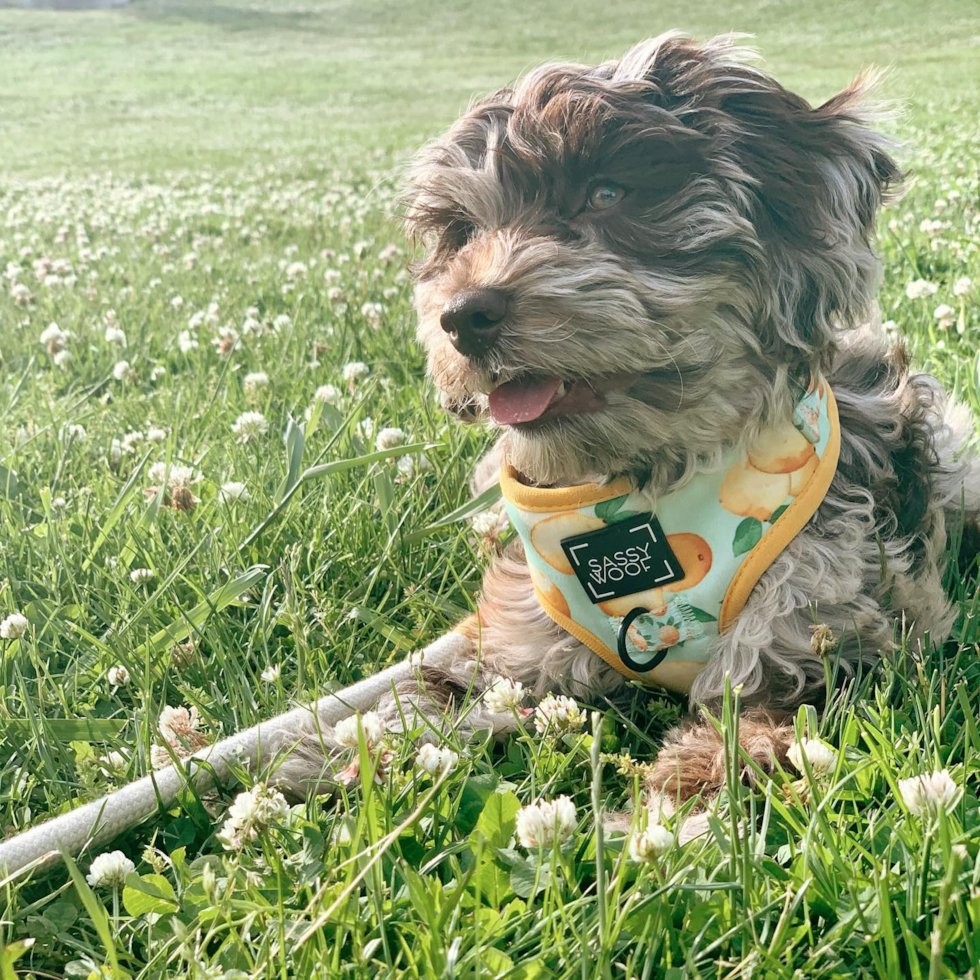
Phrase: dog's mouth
(532, 399)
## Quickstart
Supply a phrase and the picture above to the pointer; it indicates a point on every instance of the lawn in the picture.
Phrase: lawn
(202, 293)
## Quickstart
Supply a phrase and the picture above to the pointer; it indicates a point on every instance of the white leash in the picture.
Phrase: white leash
(103, 819)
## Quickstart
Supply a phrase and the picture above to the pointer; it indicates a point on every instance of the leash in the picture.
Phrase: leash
(95, 823)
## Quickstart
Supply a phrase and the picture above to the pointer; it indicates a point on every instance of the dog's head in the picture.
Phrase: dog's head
(623, 263)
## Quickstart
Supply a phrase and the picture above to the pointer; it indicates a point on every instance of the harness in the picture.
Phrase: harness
(651, 593)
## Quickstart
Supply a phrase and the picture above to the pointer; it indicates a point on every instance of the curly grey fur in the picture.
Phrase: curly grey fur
(740, 257)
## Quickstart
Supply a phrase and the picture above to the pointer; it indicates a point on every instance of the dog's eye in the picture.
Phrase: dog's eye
(603, 196)
(456, 234)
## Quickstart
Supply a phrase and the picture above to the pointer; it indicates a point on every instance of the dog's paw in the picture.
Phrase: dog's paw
(692, 759)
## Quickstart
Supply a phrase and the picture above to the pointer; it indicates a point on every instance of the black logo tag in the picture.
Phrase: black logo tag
(626, 557)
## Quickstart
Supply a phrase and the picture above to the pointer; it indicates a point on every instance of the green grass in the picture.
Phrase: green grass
(165, 83)
(200, 151)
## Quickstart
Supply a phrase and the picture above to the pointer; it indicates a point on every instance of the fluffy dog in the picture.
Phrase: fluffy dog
(673, 236)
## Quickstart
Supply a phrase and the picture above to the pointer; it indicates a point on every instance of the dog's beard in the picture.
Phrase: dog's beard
(580, 448)
(659, 432)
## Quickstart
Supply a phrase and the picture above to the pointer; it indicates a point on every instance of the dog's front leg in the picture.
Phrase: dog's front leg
(774, 656)
(439, 700)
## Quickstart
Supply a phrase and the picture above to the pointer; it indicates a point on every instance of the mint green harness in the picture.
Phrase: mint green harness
(697, 559)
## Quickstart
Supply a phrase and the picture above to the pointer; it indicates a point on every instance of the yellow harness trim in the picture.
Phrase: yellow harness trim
(806, 503)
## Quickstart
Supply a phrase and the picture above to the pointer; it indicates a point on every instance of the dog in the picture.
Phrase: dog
(625, 267)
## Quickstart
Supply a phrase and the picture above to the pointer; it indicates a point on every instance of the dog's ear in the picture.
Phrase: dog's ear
(810, 179)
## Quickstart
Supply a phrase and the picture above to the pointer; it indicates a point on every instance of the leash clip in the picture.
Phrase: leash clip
(621, 649)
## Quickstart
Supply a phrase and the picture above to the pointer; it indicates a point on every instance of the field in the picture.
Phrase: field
(205, 327)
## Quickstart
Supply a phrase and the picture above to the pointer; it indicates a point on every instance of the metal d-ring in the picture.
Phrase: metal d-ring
(624, 655)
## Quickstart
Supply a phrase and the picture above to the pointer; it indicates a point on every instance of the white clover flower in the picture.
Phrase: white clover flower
(180, 722)
(820, 755)
(139, 576)
(418, 463)
(253, 381)
(114, 761)
(372, 313)
(62, 359)
(354, 370)
(920, 289)
(233, 490)
(365, 428)
(372, 724)
(504, 695)
(556, 715)
(109, 870)
(543, 823)
(118, 676)
(54, 338)
(178, 477)
(328, 394)
(186, 343)
(435, 759)
(267, 804)
(490, 523)
(646, 846)
(931, 793)
(76, 433)
(121, 370)
(271, 674)
(155, 434)
(226, 341)
(129, 442)
(182, 476)
(177, 302)
(390, 438)
(962, 286)
(250, 425)
(114, 335)
(946, 316)
(250, 812)
(14, 626)
(242, 809)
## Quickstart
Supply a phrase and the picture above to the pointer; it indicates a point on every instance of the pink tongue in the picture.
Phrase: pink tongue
(522, 401)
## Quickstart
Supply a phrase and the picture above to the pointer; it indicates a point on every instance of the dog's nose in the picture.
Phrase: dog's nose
(472, 319)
